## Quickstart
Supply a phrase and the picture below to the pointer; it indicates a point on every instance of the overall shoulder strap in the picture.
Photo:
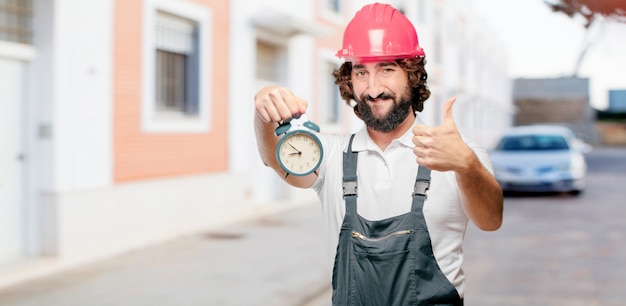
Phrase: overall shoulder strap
(349, 177)
(422, 183)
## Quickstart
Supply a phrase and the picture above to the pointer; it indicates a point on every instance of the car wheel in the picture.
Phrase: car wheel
(575, 192)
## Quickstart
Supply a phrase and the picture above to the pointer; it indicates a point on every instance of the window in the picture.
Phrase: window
(16, 21)
(334, 5)
(176, 60)
(533, 143)
(331, 11)
(267, 62)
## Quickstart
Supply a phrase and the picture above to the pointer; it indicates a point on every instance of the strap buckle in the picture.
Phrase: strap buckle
(349, 188)
(420, 188)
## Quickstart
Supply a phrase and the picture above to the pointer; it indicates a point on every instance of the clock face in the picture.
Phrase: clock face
(299, 153)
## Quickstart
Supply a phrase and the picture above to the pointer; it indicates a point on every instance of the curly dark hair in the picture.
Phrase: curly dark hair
(417, 82)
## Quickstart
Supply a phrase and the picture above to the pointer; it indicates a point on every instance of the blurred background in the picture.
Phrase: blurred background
(128, 123)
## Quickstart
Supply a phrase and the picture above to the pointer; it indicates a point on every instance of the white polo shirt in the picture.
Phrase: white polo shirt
(385, 185)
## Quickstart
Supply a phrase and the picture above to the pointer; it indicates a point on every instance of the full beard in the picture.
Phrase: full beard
(397, 114)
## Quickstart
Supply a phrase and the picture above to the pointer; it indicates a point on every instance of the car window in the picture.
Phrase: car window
(532, 143)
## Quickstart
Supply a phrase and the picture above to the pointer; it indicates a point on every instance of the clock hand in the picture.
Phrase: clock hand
(294, 148)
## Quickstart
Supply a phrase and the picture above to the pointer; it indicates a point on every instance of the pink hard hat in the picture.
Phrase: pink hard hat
(378, 32)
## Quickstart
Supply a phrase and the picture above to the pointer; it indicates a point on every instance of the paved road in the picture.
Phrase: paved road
(556, 249)
(276, 260)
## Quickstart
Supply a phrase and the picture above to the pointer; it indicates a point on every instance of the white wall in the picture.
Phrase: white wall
(14, 61)
(101, 222)
(69, 111)
(82, 99)
(242, 82)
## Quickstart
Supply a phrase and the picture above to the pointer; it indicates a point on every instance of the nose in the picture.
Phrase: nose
(374, 87)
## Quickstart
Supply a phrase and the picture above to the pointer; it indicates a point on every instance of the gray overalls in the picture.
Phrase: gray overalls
(387, 262)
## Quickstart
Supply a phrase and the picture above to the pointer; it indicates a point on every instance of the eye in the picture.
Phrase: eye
(360, 75)
(386, 72)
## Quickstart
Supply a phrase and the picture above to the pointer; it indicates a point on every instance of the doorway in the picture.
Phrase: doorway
(12, 233)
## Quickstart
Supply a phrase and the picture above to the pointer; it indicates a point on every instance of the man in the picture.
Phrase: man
(399, 234)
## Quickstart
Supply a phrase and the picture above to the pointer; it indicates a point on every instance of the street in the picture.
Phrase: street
(556, 249)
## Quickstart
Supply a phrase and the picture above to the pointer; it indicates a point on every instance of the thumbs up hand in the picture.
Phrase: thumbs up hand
(441, 148)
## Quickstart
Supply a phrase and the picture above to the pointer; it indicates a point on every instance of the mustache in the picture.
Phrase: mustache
(383, 95)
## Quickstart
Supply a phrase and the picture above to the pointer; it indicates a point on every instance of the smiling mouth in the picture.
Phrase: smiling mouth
(377, 100)
(381, 97)
(380, 102)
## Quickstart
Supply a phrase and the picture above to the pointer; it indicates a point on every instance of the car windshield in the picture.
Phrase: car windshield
(532, 143)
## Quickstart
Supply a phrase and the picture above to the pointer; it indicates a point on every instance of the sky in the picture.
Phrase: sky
(544, 44)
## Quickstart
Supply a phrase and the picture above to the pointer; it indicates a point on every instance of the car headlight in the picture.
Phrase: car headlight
(565, 167)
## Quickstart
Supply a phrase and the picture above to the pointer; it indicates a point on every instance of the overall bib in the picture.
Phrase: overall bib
(387, 262)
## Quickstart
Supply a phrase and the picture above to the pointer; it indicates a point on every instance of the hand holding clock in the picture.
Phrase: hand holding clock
(277, 104)
(299, 152)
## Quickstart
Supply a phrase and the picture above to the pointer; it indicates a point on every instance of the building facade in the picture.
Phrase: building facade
(562, 101)
(128, 123)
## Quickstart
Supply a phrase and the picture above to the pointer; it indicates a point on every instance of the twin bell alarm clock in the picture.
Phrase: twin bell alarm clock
(299, 152)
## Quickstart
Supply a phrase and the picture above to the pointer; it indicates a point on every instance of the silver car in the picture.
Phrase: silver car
(540, 158)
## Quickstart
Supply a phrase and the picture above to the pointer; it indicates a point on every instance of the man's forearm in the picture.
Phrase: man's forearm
(266, 141)
(481, 196)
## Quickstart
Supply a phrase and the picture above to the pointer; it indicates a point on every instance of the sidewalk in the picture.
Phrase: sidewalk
(275, 260)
